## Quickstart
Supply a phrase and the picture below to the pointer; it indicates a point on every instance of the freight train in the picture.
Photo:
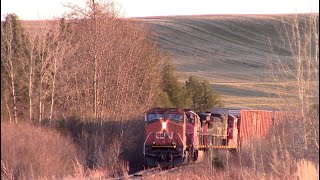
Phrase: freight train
(178, 136)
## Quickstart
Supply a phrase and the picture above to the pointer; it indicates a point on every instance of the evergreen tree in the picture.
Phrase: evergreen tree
(163, 100)
(203, 97)
(175, 91)
(14, 55)
(170, 82)
(194, 91)
(195, 94)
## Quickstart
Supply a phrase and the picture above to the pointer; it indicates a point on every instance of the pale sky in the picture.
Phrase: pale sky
(48, 9)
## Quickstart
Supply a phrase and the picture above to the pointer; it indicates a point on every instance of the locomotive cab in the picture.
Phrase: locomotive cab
(165, 137)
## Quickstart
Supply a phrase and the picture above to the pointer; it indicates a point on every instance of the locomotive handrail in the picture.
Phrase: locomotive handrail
(212, 135)
(144, 144)
(180, 140)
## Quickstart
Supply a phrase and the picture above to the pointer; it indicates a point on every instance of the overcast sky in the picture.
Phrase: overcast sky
(47, 9)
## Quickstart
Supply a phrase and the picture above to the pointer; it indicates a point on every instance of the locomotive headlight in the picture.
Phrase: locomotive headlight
(164, 125)
(173, 143)
(153, 143)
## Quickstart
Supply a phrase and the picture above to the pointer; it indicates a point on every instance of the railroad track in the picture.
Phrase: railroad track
(151, 172)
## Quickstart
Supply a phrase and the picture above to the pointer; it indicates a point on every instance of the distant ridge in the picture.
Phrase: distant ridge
(210, 15)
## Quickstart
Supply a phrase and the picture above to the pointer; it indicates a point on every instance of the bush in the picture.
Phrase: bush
(33, 152)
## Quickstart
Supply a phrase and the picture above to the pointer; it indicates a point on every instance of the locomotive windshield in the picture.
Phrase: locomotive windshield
(174, 117)
(155, 116)
(171, 116)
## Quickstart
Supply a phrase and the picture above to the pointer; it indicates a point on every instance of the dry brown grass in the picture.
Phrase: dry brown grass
(34, 152)
(307, 170)
(100, 173)
(289, 169)
(92, 152)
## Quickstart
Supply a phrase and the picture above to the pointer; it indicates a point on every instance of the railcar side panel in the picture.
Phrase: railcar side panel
(254, 124)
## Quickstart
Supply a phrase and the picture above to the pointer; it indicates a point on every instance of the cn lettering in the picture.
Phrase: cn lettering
(162, 135)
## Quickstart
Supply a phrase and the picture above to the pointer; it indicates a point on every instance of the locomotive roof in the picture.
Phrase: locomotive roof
(237, 111)
(162, 110)
(231, 111)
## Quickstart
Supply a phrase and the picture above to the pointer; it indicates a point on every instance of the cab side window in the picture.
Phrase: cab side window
(191, 118)
(230, 123)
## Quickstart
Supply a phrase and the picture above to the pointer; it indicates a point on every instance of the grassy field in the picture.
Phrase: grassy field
(232, 52)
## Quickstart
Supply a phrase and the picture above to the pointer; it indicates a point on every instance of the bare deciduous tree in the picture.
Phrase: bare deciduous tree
(49, 45)
(296, 74)
(115, 71)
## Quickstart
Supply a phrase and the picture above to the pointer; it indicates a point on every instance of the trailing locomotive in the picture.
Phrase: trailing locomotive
(177, 136)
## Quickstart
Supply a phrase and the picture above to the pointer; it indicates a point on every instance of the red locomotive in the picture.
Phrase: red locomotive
(176, 136)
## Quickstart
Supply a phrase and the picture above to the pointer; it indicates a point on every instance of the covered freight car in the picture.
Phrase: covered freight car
(250, 123)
